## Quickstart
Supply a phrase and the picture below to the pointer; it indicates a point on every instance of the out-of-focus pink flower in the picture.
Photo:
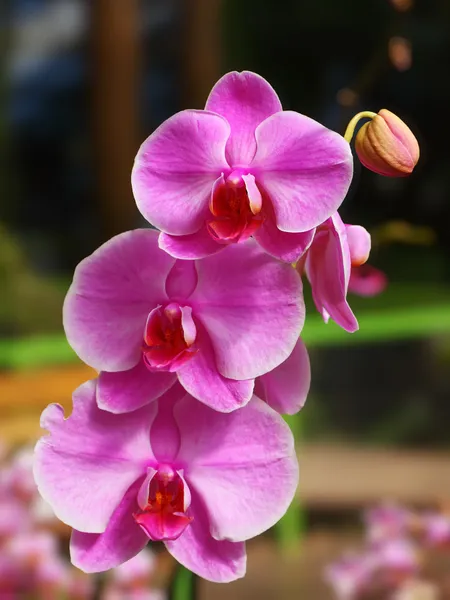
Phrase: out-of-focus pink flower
(145, 320)
(241, 167)
(349, 576)
(387, 146)
(386, 521)
(335, 248)
(395, 560)
(436, 529)
(17, 477)
(175, 470)
(366, 280)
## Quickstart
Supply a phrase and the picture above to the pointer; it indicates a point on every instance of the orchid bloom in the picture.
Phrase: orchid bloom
(335, 249)
(144, 319)
(174, 471)
(242, 167)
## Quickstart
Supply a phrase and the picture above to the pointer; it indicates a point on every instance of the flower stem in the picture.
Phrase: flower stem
(184, 585)
(367, 114)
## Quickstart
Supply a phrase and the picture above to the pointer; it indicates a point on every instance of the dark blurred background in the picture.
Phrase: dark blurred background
(83, 83)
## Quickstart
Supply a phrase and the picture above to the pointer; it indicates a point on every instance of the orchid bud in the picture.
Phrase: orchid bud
(387, 146)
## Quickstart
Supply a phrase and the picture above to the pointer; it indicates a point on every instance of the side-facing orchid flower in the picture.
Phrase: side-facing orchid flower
(242, 167)
(145, 319)
(174, 471)
(335, 249)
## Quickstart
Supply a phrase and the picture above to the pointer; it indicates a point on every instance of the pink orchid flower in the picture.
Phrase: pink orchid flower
(336, 247)
(175, 471)
(145, 319)
(386, 521)
(242, 167)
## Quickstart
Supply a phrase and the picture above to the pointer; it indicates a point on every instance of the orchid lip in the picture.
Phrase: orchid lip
(169, 337)
(235, 207)
(163, 500)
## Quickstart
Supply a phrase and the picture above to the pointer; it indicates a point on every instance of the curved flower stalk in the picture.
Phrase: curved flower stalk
(242, 167)
(174, 471)
(146, 320)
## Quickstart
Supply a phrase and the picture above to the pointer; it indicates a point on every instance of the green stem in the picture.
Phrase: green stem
(354, 122)
(184, 585)
(290, 529)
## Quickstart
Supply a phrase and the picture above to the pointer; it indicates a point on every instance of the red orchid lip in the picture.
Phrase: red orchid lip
(168, 337)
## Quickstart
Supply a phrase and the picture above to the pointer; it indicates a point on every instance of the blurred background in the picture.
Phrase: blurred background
(82, 83)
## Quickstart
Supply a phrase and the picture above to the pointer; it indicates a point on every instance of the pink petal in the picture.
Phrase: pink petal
(122, 539)
(243, 464)
(79, 472)
(288, 247)
(190, 247)
(328, 270)
(128, 390)
(113, 291)
(219, 561)
(253, 321)
(286, 388)
(359, 243)
(176, 167)
(245, 100)
(305, 168)
(182, 280)
(200, 377)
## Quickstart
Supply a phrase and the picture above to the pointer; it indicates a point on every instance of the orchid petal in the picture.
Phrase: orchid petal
(113, 291)
(83, 490)
(245, 100)
(200, 377)
(219, 561)
(243, 464)
(126, 391)
(122, 539)
(253, 322)
(304, 168)
(286, 388)
(176, 167)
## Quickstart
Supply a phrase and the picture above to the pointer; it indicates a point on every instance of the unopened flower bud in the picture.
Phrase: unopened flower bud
(387, 146)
